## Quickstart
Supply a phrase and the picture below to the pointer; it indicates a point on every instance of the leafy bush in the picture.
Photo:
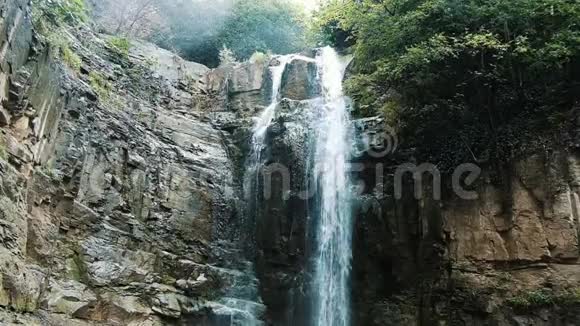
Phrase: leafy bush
(462, 80)
(100, 85)
(533, 299)
(543, 298)
(260, 57)
(58, 12)
(120, 45)
(198, 30)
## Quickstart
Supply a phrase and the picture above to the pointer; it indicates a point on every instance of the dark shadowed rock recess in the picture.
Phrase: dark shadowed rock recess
(121, 204)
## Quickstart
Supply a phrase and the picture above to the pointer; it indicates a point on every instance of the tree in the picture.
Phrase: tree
(463, 80)
(192, 27)
(135, 18)
(198, 29)
(264, 25)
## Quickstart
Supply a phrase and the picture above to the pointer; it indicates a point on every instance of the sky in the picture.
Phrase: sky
(309, 4)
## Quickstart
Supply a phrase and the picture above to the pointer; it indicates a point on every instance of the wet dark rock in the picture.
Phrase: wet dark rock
(127, 208)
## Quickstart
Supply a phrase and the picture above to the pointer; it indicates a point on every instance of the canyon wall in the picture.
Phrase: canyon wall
(509, 256)
(117, 192)
(121, 203)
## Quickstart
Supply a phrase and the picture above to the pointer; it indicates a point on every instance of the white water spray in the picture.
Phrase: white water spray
(334, 232)
(262, 123)
(265, 119)
(333, 242)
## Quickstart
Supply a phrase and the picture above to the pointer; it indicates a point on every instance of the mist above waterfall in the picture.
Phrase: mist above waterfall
(199, 29)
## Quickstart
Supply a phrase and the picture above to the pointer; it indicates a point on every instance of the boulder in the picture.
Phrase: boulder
(247, 77)
(299, 81)
(67, 297)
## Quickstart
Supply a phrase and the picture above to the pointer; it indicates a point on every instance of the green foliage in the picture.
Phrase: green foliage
(61, 48)
(262, 25)
(531, 300)
(104, 90)
(120, 45)
(199, 31)
(569, 298)
(100, 85)
(58, 12)
(168, 279)
(460, 79)
(50, 172)
(152, 62)
(227, 57)
(3, 152)
(71, 58)
(260, 57)
(542, 298)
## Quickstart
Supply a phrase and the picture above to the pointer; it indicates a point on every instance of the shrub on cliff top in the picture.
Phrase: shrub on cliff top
(120, 45)
(58, 12)
(260, 57)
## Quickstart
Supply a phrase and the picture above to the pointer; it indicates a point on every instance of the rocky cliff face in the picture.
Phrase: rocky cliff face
(117, 192)
(507, 257)
(121, 204)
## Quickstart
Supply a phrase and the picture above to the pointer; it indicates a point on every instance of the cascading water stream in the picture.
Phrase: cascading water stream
(334, 232)
(254, 160)
(328, 164)
(265, 119)
(262, 123)
(245, 312)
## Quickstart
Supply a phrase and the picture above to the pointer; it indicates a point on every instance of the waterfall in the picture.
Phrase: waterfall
(328, 164)
(243, 305)
(254, 161)
(334, 226)
(262, 123)
(265, 119)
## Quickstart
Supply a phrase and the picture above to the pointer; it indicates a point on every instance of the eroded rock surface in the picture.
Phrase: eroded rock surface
(122, 207)
(508, 257)
(117, 193)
